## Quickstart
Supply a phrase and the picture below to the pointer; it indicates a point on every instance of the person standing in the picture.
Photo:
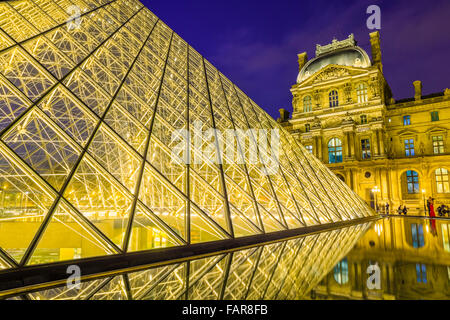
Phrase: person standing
(432, 216)
(405, 211)
(387, 208)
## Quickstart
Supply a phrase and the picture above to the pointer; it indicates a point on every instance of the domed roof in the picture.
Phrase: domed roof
(352, 56)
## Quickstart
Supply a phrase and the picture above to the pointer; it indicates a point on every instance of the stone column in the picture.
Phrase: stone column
(317, 136)
(381, 140)
(352, 144)
(374, 141)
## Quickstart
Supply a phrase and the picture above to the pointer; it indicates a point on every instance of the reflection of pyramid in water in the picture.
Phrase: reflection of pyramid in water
(86, 119)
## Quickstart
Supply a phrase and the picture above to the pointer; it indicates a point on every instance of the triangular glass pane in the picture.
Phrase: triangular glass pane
(49, 56)
(242, 226)
(146, 233)
(127, 127)
(118, 159)
(12, 104)
(202, 229)
(24, 73)
(161, 158)
(100, 199)
(165, 202)
(24, 204)
(67, 239)
(208, 200)
(63, 108)
(40, 145)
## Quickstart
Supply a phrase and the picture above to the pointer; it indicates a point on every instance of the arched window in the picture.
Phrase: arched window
(340, 272)
(334, 99)
(412, 181)
(307, 104)
(335, 150)
(442, 183)
(361, 93)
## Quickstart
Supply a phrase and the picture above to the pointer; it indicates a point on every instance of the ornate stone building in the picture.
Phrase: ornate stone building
(388, 151)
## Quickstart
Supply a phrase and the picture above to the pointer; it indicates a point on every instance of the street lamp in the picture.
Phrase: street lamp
(424, 204)
(375, 191)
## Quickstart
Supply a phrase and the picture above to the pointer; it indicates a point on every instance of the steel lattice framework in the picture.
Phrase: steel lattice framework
(87, 114)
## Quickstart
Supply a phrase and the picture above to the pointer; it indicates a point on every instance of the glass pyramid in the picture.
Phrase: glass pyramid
(89, 106)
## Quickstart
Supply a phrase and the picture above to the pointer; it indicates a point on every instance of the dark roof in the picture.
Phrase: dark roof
(428, 96)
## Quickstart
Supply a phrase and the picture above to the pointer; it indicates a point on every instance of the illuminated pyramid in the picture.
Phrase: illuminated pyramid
(89, 108)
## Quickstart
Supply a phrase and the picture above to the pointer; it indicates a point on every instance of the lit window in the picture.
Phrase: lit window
(309, 147)
(307, 127)
(341, 272)
(335, 150)
(435, 116)
(307, 104)
(363, 119)
(412, 181)
(421, 272)
(438, 144)
(446, 236)
(417, 235)
(365, 148)
(361, 92)
(334, 99)
(406, 120)
(442, 183)
(409, 147)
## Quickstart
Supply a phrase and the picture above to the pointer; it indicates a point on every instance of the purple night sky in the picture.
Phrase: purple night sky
(255, 43)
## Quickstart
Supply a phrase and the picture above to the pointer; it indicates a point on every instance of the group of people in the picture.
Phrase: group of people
(442, 210)
(401, 210)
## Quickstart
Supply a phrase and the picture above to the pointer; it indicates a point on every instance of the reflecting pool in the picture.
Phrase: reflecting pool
(392, 258)
(412, 259)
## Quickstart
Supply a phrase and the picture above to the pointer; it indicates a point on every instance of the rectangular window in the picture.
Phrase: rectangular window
(365, 148)
(406, 120)
(363, 119)
(421, 272)
(409, 147)
(307, 127)
(435, 116)
(309, 147)
(438, 144)
(442, 180)
(417, 235)
(412, 180)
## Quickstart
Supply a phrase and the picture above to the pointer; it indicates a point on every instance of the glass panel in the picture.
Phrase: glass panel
(65, 238)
